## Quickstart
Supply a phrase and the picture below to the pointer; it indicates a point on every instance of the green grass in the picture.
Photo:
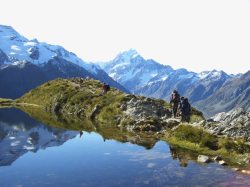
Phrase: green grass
(78, 97)
(202, 142)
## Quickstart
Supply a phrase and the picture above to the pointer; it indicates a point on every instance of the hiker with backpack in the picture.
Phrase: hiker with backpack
(185, 109)
(174, 101)
(105, 88)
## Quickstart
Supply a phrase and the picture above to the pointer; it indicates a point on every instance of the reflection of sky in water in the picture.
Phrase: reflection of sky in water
(89, 161)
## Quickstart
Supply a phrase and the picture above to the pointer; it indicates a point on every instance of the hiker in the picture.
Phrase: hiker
(174, 101)
(105, 88)
(185, 109)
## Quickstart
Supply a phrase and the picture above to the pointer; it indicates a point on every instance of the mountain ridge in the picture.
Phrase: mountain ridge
(152, 79)
(21, 56)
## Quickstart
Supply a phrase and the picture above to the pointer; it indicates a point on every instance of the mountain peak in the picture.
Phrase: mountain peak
(10, 33)
(126, 56)
(131, 53)
(212, 74)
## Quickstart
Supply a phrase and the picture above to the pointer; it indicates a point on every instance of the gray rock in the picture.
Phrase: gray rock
(222, 162)
(245, 171)
(235, 123)
(34, 53)
(172, 122)
(203, 159)
(235, 169)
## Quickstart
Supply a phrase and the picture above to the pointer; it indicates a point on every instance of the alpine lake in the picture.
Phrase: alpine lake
(41, 150)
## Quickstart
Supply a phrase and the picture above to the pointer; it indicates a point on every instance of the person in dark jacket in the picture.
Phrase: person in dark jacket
(174, 101)
(105, 88)
(185, 109)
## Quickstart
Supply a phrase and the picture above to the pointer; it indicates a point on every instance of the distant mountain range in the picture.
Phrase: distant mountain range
(150, 78)
(234, 93)
(25, 64)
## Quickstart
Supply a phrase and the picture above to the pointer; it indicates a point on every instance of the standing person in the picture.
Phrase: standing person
(185, 108)
(105, 88)
(174, 101)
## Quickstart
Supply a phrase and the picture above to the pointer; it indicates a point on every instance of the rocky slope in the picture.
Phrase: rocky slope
(235, 123)
(25, 64)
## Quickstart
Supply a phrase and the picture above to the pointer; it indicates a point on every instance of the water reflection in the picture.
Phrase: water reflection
(80, 125)
(108, 157)
(19, 134)
(182, 155)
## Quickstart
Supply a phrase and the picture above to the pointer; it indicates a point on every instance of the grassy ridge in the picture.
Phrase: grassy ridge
(78, 97)
(81, 96)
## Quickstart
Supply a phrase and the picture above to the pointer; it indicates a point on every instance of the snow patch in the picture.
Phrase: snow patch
(30, 44)
(15, 143)
(15, 47)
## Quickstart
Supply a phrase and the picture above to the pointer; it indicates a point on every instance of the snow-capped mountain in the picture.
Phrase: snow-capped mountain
(22, 134)
(19, 48)
(132, 71)
(234, 93)
(20, 56)
(149, 78)
(207, 85)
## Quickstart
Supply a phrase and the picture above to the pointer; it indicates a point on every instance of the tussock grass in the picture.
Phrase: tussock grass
(202, 142)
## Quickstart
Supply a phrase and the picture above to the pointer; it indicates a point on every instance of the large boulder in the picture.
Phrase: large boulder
(203, 159)
(146, 114)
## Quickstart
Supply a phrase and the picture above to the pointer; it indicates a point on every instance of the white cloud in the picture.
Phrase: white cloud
(195, 34)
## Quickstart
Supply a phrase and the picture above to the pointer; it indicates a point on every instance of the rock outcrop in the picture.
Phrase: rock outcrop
(235, 123)
(146, 114)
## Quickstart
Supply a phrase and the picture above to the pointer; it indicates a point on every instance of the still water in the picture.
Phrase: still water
(34, 154)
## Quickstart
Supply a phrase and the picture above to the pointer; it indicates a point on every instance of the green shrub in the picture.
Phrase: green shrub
(237, 146)
(188, 133)
(210, 141)
(197, 136)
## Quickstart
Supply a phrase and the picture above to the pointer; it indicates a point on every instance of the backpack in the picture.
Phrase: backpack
(186, 107)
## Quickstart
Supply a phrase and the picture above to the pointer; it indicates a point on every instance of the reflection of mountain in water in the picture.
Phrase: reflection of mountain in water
(19, 134)
(106, 131)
